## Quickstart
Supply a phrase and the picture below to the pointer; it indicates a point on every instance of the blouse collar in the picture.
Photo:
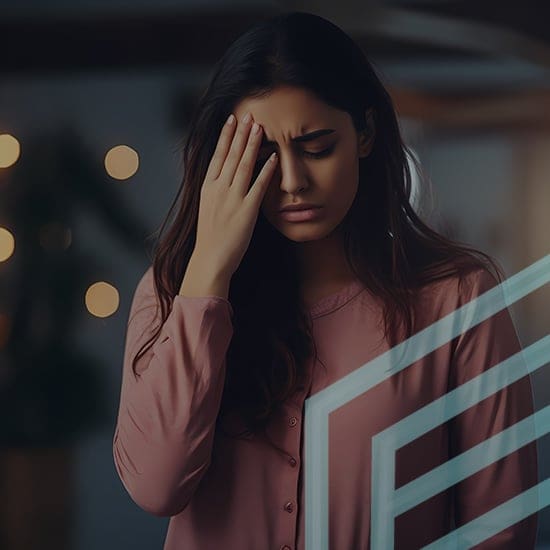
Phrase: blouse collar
(335, 301)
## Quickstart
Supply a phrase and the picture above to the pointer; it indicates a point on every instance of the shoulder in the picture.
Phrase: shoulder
(145, 295)
(441, 296)
(463, 284)
(475, 283)
(146, 281)
(145, 290)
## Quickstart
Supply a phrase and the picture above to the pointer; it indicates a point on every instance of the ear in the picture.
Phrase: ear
(366, 136)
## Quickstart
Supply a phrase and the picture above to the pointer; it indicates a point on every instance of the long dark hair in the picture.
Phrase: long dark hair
(390, 249)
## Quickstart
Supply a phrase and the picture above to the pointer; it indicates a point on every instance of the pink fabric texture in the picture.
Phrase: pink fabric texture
(226, 493)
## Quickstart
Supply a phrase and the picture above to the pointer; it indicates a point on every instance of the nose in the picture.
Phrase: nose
(292, 174)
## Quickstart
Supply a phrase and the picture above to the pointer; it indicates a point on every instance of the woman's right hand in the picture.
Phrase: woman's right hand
(229, 206)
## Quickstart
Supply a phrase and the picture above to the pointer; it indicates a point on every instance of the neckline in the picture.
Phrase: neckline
(335, 301)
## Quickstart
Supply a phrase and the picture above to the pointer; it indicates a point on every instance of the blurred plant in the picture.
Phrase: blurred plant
(52, 390)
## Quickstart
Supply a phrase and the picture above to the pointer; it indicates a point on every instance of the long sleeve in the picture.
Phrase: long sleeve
(477, 350)
(164, 434)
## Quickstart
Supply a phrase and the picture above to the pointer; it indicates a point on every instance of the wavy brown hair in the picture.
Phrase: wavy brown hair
(390, 249)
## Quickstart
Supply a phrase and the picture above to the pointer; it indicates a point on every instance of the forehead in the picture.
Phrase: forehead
(289, 110)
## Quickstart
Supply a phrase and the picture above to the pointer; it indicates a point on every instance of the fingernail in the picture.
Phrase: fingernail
(247, 118)
(230, 119)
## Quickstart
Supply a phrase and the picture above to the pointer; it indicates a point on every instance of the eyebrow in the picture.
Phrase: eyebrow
(299, 139)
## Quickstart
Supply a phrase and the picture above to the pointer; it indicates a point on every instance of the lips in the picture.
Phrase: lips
(301, 206)
(301, 215)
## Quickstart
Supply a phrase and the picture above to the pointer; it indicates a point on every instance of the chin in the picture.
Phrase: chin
(303, 232)
(301, 239)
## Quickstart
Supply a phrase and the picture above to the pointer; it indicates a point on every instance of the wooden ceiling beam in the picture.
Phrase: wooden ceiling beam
(528, 110)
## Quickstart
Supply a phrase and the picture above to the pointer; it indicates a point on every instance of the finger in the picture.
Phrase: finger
(245, 169)
(256, 193)
(220, 153)
(235, 152)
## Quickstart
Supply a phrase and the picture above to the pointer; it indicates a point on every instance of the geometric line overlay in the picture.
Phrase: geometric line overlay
(388, 502)
(465, 464)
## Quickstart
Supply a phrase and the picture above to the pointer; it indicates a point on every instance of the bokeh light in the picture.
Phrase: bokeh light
(7, 244)
(9, 150)
(55, 236)
(102, 299)
(121, 162)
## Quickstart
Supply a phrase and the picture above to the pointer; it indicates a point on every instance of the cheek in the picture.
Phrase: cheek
(268, 202)
(343, 177)
(268, 208)
(264, 209)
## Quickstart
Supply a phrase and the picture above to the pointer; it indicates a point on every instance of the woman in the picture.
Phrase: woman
(260, 309)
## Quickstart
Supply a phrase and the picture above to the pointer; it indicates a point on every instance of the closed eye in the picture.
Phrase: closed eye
(320, 154)
(315, 155)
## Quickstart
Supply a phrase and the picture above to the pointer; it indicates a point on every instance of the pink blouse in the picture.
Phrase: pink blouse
(244, 494)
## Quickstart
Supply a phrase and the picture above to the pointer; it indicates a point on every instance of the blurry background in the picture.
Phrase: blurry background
(94, 100)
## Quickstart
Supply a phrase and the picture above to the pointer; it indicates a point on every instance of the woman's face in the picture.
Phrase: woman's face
(329, 181)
